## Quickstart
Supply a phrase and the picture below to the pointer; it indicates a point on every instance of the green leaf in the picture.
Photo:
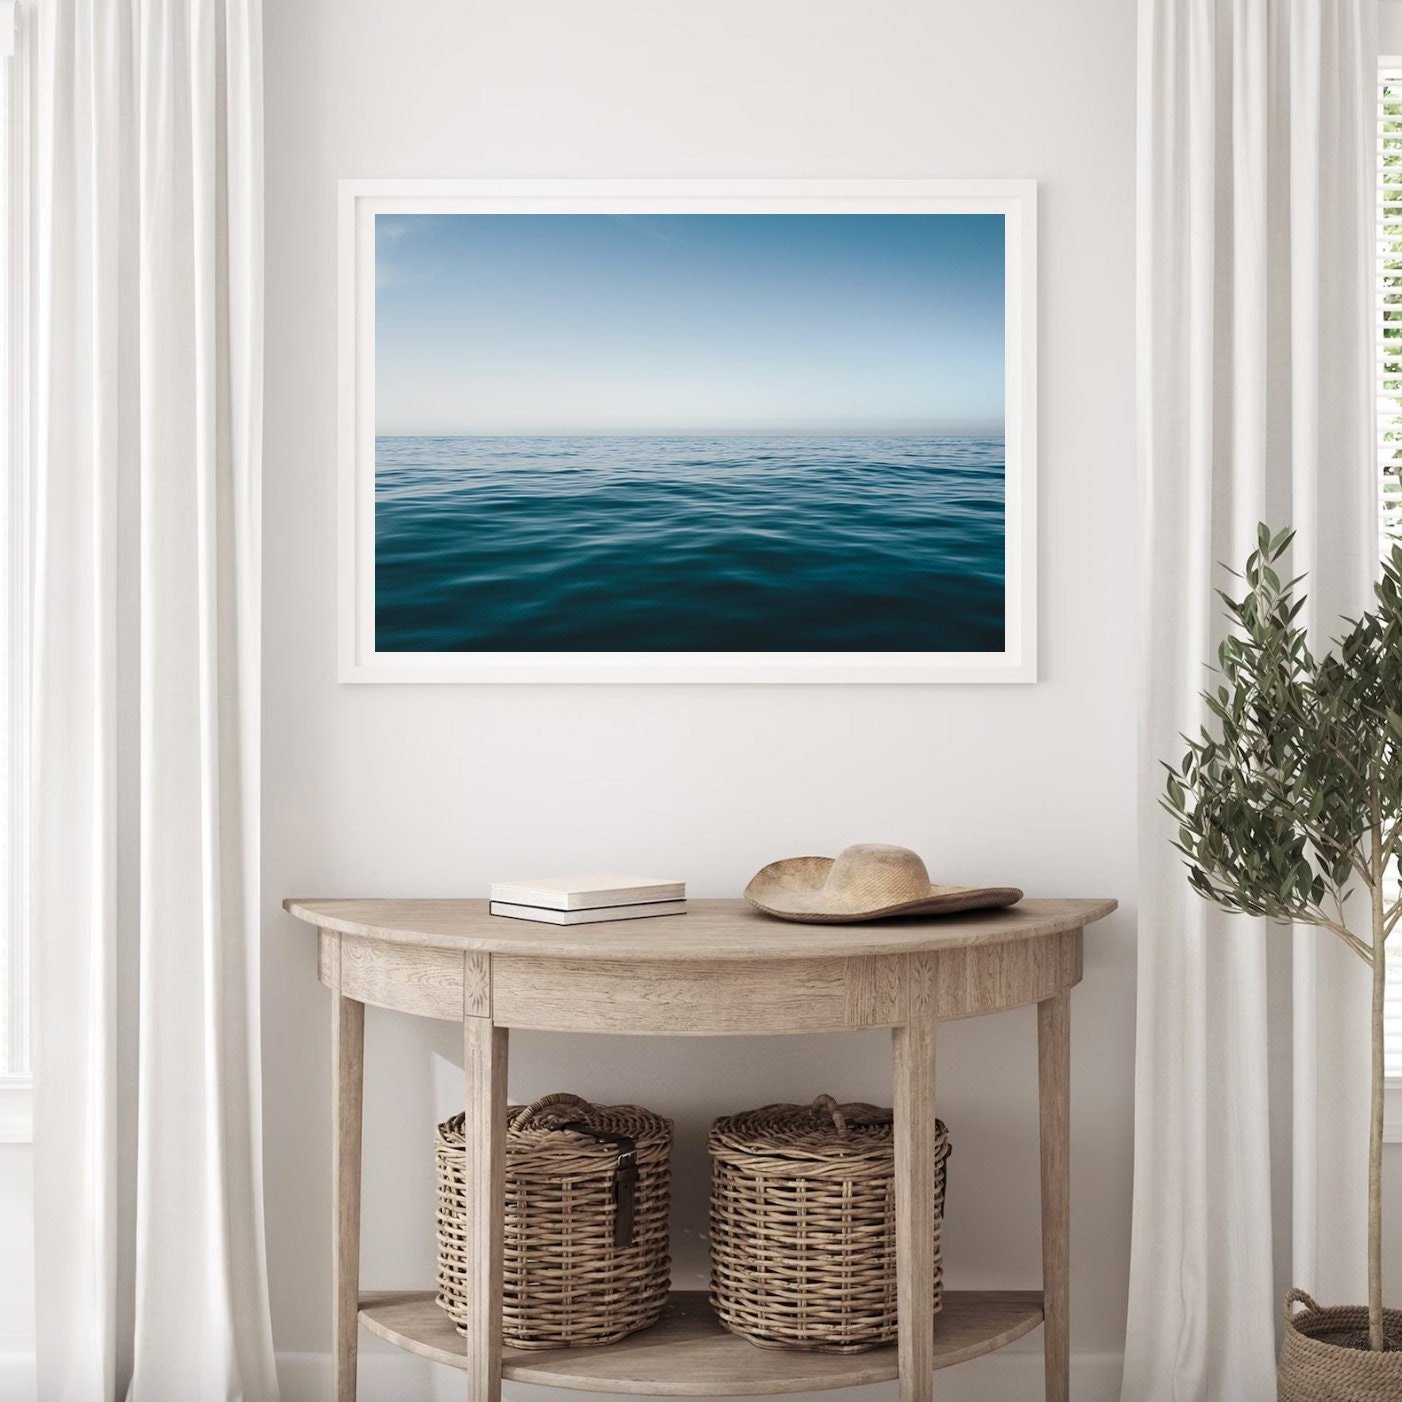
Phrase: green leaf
(1296, 752)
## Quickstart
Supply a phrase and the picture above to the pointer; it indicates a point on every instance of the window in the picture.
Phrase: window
(14, 943)
(1389, 355)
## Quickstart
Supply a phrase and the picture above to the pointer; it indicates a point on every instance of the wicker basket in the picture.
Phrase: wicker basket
(1322, 1360)
(587, 1193)
(803, 1225)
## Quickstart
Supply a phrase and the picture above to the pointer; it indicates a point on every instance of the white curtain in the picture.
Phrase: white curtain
(1256, 216)
(148, 309)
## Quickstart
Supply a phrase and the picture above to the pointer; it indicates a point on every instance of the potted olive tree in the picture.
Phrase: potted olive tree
(1289, 806)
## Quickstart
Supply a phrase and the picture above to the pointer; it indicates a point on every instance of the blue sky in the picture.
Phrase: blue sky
(689, 323)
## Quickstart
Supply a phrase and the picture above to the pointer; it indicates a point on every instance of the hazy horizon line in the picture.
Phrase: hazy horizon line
(960, 432)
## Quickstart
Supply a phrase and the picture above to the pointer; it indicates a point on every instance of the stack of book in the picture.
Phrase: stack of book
(585, 900)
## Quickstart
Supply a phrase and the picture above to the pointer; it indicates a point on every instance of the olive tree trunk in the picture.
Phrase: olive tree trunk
(1375, 1143)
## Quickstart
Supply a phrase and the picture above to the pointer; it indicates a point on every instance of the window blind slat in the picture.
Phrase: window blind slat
(1388, 324)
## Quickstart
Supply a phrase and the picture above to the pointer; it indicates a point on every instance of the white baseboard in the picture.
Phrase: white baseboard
(1012, 1375)
(17, 1377)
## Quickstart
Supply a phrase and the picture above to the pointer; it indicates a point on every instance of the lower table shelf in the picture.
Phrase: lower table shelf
(688, 1354)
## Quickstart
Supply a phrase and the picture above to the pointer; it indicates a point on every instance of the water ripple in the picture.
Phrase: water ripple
(689, 544)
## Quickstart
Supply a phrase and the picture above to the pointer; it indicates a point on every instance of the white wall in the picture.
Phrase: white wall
(405, 790)
(1390, 27)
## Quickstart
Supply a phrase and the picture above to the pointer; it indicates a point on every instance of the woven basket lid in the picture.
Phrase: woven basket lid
(539, 1123)
(538, 1127)
(821, 1131)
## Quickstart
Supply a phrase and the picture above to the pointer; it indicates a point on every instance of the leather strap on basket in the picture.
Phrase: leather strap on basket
(1299, 1297)
(625, 1176)
(625, 1172)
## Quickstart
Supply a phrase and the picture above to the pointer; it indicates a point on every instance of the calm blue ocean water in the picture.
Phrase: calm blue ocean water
(645, 544)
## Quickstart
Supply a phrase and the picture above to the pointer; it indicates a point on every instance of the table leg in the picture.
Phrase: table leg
(347, 1098)
(913, 1047)
(485, 1049)
(1054, 1082)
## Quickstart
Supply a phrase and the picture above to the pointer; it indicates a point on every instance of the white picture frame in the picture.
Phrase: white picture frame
(361, 200)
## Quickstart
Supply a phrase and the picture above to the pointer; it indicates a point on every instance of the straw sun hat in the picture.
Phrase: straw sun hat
(865, 882)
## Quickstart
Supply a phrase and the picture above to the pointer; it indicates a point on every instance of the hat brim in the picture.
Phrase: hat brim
(793, 889)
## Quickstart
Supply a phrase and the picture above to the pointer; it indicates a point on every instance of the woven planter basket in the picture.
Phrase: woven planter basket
(803, 1225)
(587, 1194)
(1316, 1364)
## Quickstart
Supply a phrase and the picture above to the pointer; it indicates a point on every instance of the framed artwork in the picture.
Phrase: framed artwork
(688, 431)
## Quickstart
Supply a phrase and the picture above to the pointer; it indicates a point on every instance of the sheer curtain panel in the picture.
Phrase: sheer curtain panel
(1256, 214)
(148, 314)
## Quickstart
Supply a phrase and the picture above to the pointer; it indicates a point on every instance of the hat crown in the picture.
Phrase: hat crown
(878, 875)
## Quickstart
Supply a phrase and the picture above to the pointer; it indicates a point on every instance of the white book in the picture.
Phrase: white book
(587, 892)
(597, 916)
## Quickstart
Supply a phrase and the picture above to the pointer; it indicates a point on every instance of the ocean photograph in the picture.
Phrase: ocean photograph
(689, 433)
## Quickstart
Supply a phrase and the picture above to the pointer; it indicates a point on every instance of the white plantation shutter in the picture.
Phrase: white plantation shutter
(1389, 328)
(1389, 299)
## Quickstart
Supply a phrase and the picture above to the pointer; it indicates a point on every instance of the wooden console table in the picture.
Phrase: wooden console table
(721, 969)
